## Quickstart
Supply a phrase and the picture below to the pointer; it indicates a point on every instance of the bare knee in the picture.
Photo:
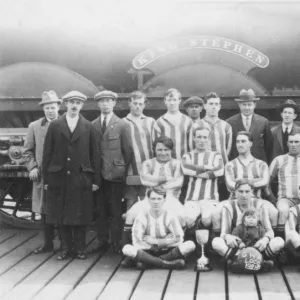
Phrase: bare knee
(129, 251)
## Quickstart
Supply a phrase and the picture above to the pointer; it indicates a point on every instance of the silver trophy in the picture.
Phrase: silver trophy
(202, 239)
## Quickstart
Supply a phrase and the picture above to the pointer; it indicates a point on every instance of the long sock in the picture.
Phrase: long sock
(148, 259)
(126, 234)
(172, 255)
(280, 231)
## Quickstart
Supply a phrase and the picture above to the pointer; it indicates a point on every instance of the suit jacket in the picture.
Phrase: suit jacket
(262, 137)
(71, 164)
(278, 139)
(116, 148)
(33, 154)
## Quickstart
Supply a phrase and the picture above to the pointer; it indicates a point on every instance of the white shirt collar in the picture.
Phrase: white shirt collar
(246, 117)
(290, 126)
(173, 118)
(72, 121)
(108, 117)
(133, 118)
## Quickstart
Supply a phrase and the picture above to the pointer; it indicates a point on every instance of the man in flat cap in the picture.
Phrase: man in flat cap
(193, 107)
(289, 111)
(259, 127)
(33, 154)
(71, 171)
(116, 156)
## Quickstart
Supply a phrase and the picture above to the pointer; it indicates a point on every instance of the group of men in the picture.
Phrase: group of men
(170, 173)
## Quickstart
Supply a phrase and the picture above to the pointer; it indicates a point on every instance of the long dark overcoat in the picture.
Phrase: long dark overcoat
(262, 137)
(71, 164)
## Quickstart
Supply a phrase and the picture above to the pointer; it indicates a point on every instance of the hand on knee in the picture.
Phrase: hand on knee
(187, 247)
(129, 251)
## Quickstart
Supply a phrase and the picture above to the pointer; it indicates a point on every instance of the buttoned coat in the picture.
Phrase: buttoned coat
(262, 137)
(33, 154)
(278, 139)
(71, 164)
(116, 148)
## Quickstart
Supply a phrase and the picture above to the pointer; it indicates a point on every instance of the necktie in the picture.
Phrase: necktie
(285, 139)
(247, 123)
(104, 124)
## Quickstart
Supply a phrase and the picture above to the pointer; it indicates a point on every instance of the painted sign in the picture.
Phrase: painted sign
(202, 42)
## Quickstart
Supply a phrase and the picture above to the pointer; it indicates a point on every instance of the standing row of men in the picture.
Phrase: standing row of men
(79, 157)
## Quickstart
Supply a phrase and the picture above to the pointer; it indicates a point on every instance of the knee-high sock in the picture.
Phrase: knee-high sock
(148, 259)
(126, 234)
(172, 255)
(274, 247)
(280, 231)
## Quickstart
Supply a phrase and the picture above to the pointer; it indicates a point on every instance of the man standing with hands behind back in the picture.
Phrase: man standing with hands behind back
(71, 171)
(116, 156)
(33, 154)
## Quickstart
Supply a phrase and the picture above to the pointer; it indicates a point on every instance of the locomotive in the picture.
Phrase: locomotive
(197, 47)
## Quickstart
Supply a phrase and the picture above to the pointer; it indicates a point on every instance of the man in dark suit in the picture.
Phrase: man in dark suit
(289, 111)
(259, 127)
(71, 172)
(116, 156)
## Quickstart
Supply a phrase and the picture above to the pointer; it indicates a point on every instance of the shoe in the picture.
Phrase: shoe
(102, 245)
(44, 249)
(116, 248)
(267, 266)
(64, 255)
(80, 255)
(176, 264)
(128, 263)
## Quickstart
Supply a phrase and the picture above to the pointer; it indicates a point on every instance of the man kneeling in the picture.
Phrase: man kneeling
(232, 212)
(157, 236)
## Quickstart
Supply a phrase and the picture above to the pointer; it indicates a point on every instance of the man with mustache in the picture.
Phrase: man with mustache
(287, 169)
(71, 172)
(33, 154)
(259, 126)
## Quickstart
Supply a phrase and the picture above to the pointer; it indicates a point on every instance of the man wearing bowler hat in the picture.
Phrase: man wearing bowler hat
(259, 127)
(193, 107)
(116, 156)
(289, 111)
(71, 171)
(33, 153)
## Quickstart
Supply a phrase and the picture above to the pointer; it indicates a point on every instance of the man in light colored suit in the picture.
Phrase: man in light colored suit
(259, 127)
(34, 145)
(289, 111)
(116, 156)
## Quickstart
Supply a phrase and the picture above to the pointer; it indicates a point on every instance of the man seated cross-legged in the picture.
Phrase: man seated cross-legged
(157, 236)
(232, 212)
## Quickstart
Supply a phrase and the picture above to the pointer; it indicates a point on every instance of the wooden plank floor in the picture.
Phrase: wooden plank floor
(24, 275)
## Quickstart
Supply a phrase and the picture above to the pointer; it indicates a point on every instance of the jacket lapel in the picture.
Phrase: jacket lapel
(110, 125)
(278, 135)
(78, 129)
(65, 131)
(239, 123)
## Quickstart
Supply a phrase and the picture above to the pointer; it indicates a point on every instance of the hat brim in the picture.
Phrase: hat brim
(191, 103)
(294, 106)
(49, 102)
(246, 100)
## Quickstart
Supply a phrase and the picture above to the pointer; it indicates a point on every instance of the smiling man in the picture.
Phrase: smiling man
(287, 169)
(259, 127)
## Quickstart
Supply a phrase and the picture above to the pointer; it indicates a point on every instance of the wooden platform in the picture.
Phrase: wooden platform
(24, 275)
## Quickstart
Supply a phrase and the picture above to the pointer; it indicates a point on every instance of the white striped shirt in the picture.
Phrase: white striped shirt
(287, 168)
(165, 227)
(202, 188)
(180, 132)
(142, 138)
(152, 169)
(256, 170)
(221, 136)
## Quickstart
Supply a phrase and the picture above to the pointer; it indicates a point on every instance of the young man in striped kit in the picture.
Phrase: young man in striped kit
(221, 133)
(157, 237)
(175, 125)
(255, 170)
(287, 168)
(232, 212)
(203, 167)
(142, 137)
